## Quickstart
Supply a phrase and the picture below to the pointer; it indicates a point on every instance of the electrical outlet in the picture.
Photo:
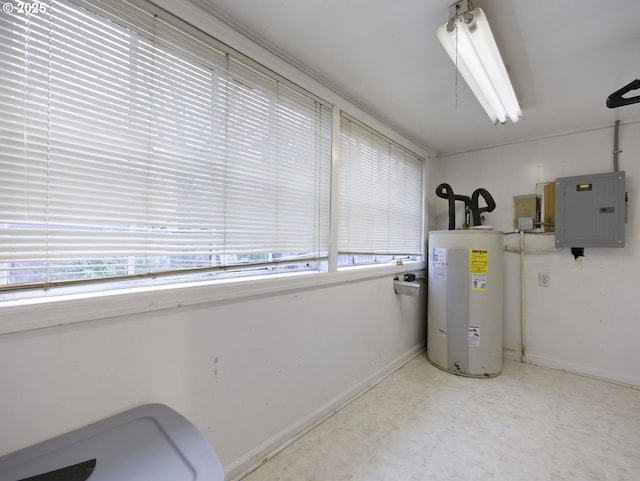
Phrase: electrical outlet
(544, 279)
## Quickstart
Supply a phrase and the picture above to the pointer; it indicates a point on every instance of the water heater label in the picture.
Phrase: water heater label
(474, 336)
(478, 261)
(478, 268)
(479, 282)
(439, 263)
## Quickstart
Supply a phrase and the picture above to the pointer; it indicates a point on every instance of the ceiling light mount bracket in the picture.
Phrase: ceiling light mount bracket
(462, 9)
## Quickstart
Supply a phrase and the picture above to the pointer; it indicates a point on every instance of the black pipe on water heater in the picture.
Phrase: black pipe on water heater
(471, 204)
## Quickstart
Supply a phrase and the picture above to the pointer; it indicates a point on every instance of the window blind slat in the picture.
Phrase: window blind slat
(381, 195)
(132, 144)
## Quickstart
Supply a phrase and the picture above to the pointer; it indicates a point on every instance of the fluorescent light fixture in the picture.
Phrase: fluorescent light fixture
(468, 40)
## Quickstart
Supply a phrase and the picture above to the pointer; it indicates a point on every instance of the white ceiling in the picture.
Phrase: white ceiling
(564, 56)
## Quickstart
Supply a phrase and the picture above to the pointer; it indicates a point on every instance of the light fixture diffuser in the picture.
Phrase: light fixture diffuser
(468, 40)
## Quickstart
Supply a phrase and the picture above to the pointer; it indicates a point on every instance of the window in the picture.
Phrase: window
(381, 198)
(132, 145)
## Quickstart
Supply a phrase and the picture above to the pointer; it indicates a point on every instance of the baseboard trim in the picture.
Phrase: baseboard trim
(255, 458)
(587, 371)
(573, 368)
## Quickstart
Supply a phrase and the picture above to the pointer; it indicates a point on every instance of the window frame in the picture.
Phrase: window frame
(24, 310)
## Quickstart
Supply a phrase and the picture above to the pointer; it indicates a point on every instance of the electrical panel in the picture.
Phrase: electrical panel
(590, 210)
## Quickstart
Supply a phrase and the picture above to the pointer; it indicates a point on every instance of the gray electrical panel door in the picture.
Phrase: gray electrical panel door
(590, 210)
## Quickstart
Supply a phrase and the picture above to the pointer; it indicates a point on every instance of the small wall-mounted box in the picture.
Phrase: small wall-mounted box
(590, 210)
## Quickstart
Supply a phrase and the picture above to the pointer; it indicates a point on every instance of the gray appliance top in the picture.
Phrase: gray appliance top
(151, 442)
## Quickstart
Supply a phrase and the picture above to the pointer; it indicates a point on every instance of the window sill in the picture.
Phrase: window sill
(21, 312)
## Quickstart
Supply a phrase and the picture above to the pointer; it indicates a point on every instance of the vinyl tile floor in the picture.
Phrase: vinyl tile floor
(421, 423)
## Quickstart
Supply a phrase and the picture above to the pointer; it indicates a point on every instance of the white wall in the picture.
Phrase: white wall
(587, 320)
(249, 374)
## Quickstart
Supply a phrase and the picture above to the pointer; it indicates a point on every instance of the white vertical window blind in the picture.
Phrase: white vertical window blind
(132, 146)
(381, 203)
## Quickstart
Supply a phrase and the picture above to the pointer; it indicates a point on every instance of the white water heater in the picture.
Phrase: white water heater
(465, 291)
